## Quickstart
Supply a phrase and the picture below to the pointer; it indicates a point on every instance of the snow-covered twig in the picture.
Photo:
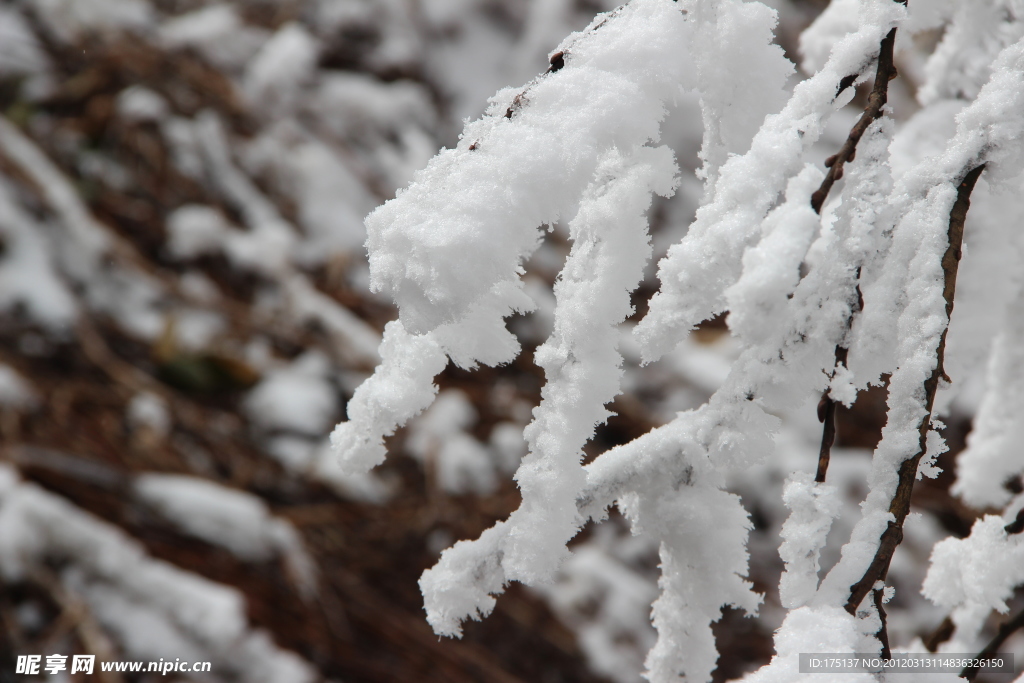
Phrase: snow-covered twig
(992, 647)
(699, 269)
(900, 506)
(878, 98)
(789, 273)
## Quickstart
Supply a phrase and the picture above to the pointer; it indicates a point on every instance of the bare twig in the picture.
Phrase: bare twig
(900, 505)
(1004, 632)
(1017, 525)
(883, 634)
(827, 416)
(885, 72)
(940, 635)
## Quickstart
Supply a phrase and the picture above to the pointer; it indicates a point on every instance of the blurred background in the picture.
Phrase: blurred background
(184, 311)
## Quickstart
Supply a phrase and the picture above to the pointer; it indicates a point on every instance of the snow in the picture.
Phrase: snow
(691, 557)
(315, 460)
(579, 100)
(283, 64)
(28, 274)
(805, 630)
(813, 507)
(506, 440)
(356, 340)
(331, 197)
(616, 637)
(741, 77)
(73, 19)
(838, 20)
(196, 329)
(461, 314)
(593, 297)
(394, 393)
(771, 269)
(154, 607)
(552, 184)
(697, 271)
(150, 411)
(992, 457)
(265, 246)
(298, 397)
(791, 281)
(217, 32)
(15, 390)
(238, 521)
(219, 515)
(21, 53)
(138, 103)
(976, 575)
(80, 245)
(904, 309)
(87, 238)
(438, 438)
(963, 60)
(194, 230)
(984, 292)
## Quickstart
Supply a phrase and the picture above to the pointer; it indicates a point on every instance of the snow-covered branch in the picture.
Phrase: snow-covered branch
(824, 298)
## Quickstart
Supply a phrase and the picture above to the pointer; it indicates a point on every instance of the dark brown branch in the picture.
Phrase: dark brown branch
(883, 634)
(1017, 525)
(885, 72)
(940, 635)
(900, 505)
(845, 82)
(1004, 632)
(827, 416)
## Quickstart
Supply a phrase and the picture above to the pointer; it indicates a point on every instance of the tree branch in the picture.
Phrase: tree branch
(827, 413)
(1017, 525)
(883, 634)
(885, 72)
(1004, 632)
(940, 635)
(900, 505)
